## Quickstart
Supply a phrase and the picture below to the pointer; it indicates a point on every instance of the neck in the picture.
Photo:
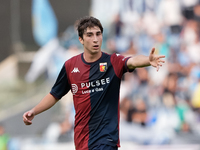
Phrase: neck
(91, 57)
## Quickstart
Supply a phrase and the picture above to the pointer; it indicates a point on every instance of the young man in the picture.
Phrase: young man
(94, 78)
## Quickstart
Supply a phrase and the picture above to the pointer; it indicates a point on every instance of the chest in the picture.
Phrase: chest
(95, 73)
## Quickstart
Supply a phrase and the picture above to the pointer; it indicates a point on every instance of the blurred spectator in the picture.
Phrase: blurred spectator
(4, 139)
(170, 85)
(57, 129)
(117, 26)
(196, 10)
(138, 114)
(187, 8)
(196, 95)
(169, 12)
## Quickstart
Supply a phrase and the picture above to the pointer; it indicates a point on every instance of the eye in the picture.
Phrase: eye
(99, 33)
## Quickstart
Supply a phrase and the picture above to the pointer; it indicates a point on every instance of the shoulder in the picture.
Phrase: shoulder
(119, 57)
(73, 59)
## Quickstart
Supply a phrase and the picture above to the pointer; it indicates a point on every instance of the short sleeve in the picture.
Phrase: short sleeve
(61, 86)
(119, 63)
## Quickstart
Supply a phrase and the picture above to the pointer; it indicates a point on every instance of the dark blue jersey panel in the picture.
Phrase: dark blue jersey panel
(61, 86)
(103, 123)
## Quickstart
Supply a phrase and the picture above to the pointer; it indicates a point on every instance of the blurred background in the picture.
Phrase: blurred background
(159, 110)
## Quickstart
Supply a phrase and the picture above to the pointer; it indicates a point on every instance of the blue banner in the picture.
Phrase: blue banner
(44, 21)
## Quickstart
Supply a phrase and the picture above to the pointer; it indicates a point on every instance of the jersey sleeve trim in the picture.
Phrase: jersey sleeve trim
(129, 70)
(54, 95)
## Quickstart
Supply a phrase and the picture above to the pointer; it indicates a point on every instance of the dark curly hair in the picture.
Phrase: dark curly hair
(85, 22)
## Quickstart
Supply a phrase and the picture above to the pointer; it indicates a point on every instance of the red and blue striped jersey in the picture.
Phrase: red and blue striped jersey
(95, 87)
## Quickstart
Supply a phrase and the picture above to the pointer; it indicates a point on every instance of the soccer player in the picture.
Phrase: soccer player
(94, 79)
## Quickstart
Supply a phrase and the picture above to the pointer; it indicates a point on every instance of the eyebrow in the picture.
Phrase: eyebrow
(92, 32)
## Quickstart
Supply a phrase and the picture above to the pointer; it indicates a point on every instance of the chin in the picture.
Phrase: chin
(95, 51)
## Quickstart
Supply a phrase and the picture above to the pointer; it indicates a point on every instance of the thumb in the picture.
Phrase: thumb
(152, 50)
(29, 114)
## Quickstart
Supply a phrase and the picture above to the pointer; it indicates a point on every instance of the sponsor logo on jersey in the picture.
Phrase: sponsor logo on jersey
(74, 89)
(96, 83)
(75, 70)
(103, 67)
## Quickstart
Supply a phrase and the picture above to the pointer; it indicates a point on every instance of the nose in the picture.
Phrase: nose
(95, 39)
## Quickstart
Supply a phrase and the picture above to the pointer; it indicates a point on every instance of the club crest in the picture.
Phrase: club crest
(103, 67)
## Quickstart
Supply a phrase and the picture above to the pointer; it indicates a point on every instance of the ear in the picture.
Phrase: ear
(81, 40)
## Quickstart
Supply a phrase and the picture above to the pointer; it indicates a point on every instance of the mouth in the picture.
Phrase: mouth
(96, 46)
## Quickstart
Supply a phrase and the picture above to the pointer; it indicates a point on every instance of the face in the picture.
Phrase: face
(92, 40)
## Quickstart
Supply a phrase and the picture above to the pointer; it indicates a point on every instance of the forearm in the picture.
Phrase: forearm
(47, 102)
(138, 62)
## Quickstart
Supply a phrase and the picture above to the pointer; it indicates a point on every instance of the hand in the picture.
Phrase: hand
(28, 117)
(155, 60)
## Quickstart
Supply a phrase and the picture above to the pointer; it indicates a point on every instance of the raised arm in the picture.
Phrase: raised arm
(47, 102)
(143, 61)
